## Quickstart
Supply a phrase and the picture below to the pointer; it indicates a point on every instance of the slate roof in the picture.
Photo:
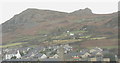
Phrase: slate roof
(73, 53)
(23, 49)
(12, 52)
(97, 49)
(38, 55)
(84, 51)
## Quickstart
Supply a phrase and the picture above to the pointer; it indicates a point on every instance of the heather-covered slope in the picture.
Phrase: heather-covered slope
(36, 26)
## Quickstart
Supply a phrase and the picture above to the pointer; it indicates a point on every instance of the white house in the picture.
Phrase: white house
(45, 35)
(9, 56)
(32, 54)
(43, 56)
(65, 51)
(68, 31)
(71, 34)
(18, 54)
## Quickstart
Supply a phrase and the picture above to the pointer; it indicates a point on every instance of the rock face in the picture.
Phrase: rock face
(83, 12)
(30, 18)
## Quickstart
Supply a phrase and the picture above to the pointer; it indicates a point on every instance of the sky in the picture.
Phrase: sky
(9, 8)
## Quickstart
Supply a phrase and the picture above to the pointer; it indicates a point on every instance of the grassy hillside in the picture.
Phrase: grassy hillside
(46, 27)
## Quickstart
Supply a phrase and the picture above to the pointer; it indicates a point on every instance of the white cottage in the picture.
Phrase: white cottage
(43, 56)
(56, 56)
(9, 56)
(71, 34)
(18, 55)
(68, 31)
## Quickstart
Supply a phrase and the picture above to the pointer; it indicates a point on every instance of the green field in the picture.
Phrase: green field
(10, 45)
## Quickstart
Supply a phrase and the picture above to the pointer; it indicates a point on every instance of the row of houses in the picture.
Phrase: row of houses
(94, 54)
(35, 53)
(58, 52)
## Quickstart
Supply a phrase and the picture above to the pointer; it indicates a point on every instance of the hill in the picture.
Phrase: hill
(36, 27)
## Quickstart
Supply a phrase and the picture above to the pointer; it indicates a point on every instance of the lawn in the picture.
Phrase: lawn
(97, 38)
(88, 36)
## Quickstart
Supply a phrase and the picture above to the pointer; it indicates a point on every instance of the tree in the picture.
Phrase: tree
(14, 57)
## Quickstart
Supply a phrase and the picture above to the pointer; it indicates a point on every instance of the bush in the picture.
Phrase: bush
(14, 57)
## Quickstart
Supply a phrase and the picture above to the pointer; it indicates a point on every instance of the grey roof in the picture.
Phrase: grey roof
(34, 51)
(23, 49)
(39, 48)
(94, 53)
(12, 52)
(28, 55)
(73, 53)
(38, 55)
(104, 52)
(84, 51)
(97, 49)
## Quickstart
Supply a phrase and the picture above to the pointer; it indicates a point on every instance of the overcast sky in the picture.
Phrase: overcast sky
(8, 8)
